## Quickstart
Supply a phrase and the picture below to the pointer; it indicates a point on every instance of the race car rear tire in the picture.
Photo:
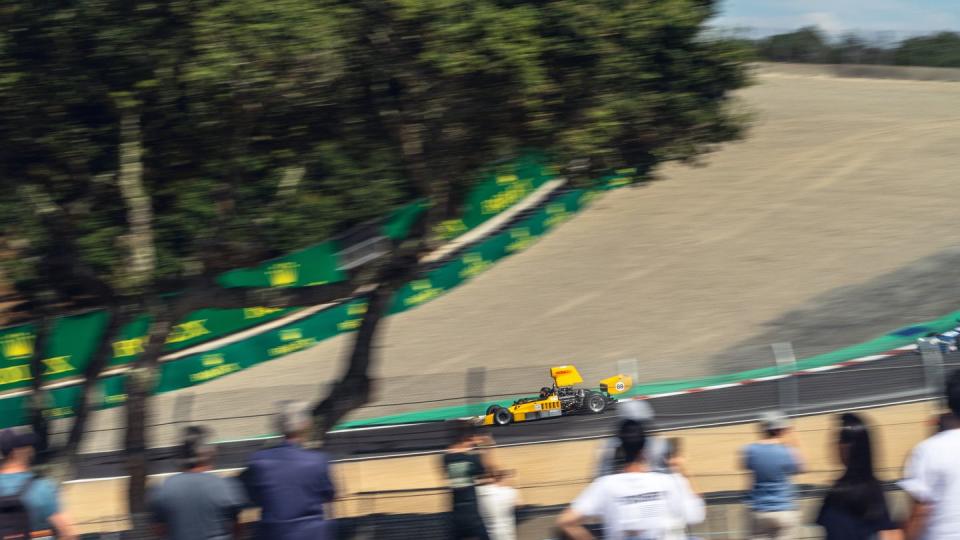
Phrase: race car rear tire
(595, 403)
(502, 417)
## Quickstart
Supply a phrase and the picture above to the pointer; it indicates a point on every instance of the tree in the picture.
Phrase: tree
(936, 50)
(152, 147)
(805, 45)
(853, 49)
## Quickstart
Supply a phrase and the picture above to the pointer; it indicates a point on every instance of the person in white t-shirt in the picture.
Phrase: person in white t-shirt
(498, 507)
(636, 504)
(932, 478)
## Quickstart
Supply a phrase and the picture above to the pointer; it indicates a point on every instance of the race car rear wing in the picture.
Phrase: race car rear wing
(617, 384)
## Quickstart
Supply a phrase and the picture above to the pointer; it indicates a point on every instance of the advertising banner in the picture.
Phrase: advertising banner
(69, 349)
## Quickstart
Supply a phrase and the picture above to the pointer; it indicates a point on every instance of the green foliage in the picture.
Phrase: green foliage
(852, 49)
(937, 50)
(804, 45)
(268, 126)
(811, 46)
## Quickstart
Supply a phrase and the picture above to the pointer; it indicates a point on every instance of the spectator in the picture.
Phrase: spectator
(464, 467)
(30, 505)
(289, 483)
(855, 508)
(197, 504)
(635, 503)
(773, 460)
(498, 506)
(932, 478)
(611, 459)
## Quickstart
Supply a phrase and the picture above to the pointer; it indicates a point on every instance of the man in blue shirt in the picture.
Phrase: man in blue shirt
(289, 483)
(773, 460)
(39, 496)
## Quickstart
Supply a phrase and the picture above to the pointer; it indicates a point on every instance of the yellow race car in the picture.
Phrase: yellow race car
(561, 399)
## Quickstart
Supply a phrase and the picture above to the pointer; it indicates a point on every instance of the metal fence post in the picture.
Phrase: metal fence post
(788, 387)
(932, 366)
(476, 385)
(183, 408)
(629, 366)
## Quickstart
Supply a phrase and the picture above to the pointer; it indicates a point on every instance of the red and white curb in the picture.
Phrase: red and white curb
(809, 371)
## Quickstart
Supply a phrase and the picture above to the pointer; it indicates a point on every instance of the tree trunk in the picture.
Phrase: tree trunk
(140, 383)
(38, 402)
(141, 253)
(81, 408)
(352, 390)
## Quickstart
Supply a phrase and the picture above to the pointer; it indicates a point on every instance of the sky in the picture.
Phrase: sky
(837, 16)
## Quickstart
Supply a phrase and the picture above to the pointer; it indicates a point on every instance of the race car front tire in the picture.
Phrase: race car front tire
(502, 416)
(595, 403)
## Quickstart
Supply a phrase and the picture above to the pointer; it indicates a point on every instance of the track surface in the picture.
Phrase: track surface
(893, 380)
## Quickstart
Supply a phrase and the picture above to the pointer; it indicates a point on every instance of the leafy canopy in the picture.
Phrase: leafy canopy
(268, 126)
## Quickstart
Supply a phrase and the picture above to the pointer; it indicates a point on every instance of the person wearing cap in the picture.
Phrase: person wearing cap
(656, 450)
(773, 460)
(38, 495)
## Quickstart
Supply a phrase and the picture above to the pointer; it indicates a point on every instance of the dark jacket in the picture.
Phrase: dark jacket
(290, 485)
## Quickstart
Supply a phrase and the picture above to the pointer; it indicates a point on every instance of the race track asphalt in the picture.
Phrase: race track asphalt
(897, 379)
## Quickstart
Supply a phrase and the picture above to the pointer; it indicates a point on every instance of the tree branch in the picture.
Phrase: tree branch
(139, 386)
(353, 389)
(118, 318)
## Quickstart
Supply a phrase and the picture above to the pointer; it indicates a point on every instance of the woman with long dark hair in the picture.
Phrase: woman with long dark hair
(855, 508)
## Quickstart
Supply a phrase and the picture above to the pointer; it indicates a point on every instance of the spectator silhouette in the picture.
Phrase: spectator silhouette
(465, 467)
(289, 483)
(196, 504)
(637, 502)
(31, 505)
(773, 460)
(656, 449)
(855, 508)
(932, 477)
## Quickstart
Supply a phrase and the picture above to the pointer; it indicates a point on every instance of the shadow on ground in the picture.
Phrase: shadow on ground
(923, 290)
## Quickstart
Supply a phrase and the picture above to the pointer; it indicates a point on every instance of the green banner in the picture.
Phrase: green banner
(303, 334)
(75, 337)
(199, 327)
(69, 349)
(315, 265)
(499, 188)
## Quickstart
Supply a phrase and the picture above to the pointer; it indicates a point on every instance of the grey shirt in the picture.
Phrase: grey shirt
(197, 506)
